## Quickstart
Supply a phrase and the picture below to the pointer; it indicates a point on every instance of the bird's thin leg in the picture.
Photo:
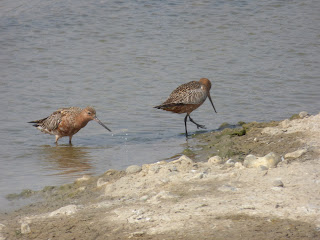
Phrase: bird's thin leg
(57, 138)
(185, 124)
(70, 138)
(198, 125)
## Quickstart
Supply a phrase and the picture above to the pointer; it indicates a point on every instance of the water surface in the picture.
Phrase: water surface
(124, 57)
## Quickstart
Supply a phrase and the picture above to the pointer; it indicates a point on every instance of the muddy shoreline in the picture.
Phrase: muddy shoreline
(259, 180)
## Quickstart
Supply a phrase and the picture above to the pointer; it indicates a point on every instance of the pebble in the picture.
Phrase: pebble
(172, 168)
(81, 188)
(238, 165)
(83, 178)
(155, 168)
(137, 234)
(230, 163)
(199, 176)
(161, 196)
(144, 198)
(165, 180)
(296, 154)
(66, 210)
(278, 183)
(270, 160)
(215, 160)
(133, 169)
(285, 123)
(303, 114)
(183, 160)
(263, 168)
(101, 182)
(25, 228)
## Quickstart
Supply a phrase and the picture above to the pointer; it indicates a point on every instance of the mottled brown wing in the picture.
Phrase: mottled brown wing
(188, 93)
(52, 122)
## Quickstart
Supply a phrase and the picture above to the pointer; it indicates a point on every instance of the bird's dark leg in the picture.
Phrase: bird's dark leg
(70, 138)
(198, 125)
(185, 124)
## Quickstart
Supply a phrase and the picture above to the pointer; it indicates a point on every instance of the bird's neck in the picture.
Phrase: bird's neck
(81, 122)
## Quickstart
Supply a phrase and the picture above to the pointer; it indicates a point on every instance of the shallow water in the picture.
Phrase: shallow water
(124, 57)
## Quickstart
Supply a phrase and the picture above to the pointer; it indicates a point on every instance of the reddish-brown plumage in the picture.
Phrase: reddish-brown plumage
(188, 97)
(67, 122)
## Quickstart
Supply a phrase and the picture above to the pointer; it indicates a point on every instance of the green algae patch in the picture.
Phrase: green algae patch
(219, 143)
(188, 152)
(224, 125)
(26, 193)
(240, 132)
(295, 116)
(238, 142)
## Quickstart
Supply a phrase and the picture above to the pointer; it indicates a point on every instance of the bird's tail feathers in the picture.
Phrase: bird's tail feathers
(37, 122)
(170, 105)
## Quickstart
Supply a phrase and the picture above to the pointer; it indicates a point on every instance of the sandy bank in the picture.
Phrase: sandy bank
(215, 198)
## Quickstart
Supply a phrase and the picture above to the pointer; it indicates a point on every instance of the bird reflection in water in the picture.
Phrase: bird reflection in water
(67, 159)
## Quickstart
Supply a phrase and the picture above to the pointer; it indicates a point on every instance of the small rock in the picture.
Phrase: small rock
(111, 172)
(101, 182)
(81, 188)
(271, 131)
(230, 163)
(285, 123)
(238, 165)
(172, 168)
(263, 168)
(183, 160)
(160, 196)
(25, 228)
(296, 154)
(137, 234)
(133, 169)
(277, 183)
(155, 168)
(67, 210)
(165, 180)
(270, 160)
(83, 178)
(250, 157)
(215, 160)
(303, 114)
(144, 198)
(199, 176)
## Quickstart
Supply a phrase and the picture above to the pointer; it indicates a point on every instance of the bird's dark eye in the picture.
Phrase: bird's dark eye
(89, 113)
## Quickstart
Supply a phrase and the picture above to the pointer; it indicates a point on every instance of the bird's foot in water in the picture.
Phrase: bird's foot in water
(201, 126)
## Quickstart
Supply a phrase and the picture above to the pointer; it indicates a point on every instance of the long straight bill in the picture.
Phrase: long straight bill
(98, 121)
(212, 103)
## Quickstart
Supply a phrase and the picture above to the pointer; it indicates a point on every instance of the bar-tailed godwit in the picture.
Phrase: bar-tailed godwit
(67, 122)
(188, 97)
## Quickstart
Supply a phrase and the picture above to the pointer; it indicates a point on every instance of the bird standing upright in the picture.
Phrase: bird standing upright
(67, 122)
(188, 97)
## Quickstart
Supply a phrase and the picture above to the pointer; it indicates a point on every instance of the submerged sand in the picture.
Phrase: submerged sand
(191, 197)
